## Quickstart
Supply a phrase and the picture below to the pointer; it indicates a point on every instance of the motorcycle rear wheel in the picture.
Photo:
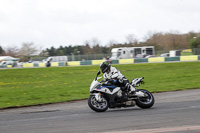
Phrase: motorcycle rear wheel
(98, 106)
(145, 102)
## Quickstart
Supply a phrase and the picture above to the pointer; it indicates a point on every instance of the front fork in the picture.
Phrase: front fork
(98, 96)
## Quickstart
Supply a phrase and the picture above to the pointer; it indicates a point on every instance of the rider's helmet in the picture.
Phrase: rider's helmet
(105, 66)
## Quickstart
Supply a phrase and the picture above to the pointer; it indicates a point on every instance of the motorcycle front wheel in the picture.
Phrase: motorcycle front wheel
(147, 101)
(96, 105)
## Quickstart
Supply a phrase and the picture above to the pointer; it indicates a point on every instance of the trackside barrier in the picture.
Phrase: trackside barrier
(61, 64)
(3, 66)
(97, 62)
(156, 59)
(73, 63)
(86, 62)
(126, 61)
(172, 58)
(120, 61)
(115, 61)
(28, 65)
(141, 60)
(9, 66)
(42, 65)
(54, 64)
(36, 65)
(189, 58)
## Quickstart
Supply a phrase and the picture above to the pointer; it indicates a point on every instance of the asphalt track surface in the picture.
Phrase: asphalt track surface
(173, 112)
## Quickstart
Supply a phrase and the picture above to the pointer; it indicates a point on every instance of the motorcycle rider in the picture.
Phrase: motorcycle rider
(111, 73)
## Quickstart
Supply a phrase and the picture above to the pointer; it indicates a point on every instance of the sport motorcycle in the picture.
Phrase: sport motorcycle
(104, 95)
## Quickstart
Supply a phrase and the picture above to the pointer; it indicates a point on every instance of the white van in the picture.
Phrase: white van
(5, 63)
(131, 52)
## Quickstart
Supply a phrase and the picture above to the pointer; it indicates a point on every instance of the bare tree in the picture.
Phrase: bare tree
(95, 46)
(148, 36)
(12, 51)
(28, 49)
(95, 42)
(86, 49)
(97, 49)
(111, 43)
(130, 38)
(155, 39)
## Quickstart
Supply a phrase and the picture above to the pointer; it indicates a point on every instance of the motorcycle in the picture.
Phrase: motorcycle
(104, 95)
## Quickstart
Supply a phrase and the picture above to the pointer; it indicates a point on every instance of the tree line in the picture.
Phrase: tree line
(161, 41)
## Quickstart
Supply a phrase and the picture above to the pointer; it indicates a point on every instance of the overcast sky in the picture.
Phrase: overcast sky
(71, 22)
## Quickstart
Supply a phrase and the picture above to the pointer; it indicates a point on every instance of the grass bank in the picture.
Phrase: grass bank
(33, 86)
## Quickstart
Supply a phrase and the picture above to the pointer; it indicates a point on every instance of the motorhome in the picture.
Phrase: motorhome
(131, 52)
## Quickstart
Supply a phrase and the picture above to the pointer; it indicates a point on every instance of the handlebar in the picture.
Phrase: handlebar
(141, 81)
(136, 82)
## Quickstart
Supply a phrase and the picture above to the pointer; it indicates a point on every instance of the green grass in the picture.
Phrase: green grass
(33, 86)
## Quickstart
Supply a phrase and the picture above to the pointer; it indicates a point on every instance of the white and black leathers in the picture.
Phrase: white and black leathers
(113, 74)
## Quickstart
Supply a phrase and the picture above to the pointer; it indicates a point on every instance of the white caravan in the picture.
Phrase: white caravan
(131, 52)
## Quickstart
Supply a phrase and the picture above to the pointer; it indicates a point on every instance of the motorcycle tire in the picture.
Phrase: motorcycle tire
(145, 102)
(97, 106)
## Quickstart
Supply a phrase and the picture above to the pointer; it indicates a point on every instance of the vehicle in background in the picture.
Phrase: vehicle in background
(141, 55)
(187, 50)
(164, 55)
(20, 64)
(131, 52)
(56, 59)
(150, 56)
(174, 53)
(8, 60)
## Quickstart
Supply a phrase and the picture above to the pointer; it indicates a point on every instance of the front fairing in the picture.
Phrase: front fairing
(95, 84)
(96, 87)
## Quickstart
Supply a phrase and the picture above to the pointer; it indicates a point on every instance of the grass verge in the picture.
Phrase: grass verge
(33, 86)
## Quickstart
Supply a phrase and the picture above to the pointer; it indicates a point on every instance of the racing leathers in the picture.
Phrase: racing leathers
(118, 78)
